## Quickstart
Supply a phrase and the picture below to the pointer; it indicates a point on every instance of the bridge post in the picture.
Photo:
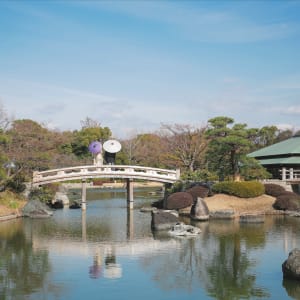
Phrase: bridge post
(129, 189)
(83, 195)
(130, 234)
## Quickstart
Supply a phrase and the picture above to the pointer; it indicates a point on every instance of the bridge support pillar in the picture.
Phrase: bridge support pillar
(129, 188)
(83, 195)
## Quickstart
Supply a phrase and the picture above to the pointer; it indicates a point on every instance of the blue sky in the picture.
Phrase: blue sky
(132, 65)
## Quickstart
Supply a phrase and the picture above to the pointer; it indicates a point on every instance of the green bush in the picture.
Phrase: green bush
(243, 189)
(44, 194)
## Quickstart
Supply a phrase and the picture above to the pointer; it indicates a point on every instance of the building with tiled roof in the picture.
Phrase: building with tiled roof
(282, 159)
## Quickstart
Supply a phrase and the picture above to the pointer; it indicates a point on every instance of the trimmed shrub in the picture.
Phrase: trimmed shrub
(179, 200)
(243, 189)
(287, 201)
(274, 190)
(198, 191)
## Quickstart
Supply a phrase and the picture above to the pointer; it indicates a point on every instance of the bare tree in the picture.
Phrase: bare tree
(184, 144)
(89, 123)
(130, 147)
(5, 120)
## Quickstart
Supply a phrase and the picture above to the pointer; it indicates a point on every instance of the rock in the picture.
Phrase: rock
(75, 205)
(61, 197)
(225, 214)
(36, 209)
(57, 204)
(250, 218)
(181, 229)
(158, 204)
(146, 209)
(163, 220)
(292, 213)
(185, 211)
(291, 266)
(199, 210)
(178, 200)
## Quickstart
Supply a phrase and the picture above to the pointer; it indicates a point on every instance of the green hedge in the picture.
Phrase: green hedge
(243, 189)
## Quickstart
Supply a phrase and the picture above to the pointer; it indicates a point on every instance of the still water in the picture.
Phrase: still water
(109, 253)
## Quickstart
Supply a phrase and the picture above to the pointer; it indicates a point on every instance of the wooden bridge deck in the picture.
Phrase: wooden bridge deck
(105, 171)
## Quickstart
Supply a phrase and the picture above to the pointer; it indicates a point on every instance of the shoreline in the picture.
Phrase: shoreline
(218, 202)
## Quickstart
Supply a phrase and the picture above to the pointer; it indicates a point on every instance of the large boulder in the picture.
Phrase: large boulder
(36, 209)
(178, 200)
(291, 266)
(163, 220)
(199, 210)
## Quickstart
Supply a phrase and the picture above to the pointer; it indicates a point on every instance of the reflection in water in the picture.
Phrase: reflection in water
(96, 269)
(83, 225)
(230, 266)
(221, 260)
(22, 270)
(292, 287)
(60, 258)
(110, 270)
(130, 233)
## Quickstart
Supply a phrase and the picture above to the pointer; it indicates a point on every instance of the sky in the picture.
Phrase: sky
(135, 65)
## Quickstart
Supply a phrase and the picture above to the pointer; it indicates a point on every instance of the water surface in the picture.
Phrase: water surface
(109, 253)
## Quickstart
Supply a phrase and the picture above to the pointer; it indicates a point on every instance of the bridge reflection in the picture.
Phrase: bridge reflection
(104, 254)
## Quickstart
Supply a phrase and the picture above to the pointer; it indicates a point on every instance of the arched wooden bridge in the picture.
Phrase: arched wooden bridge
(106, 171)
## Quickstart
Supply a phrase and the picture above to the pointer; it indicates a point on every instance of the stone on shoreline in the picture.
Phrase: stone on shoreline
(199, 210)
(252, 218)
(163, 220)
(291, 266)
(36, 209)
(224, 214)
(181, 229)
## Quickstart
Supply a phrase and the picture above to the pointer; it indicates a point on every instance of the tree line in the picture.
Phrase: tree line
(215, 151)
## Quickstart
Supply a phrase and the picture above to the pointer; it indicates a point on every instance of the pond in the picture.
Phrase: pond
(109, 252)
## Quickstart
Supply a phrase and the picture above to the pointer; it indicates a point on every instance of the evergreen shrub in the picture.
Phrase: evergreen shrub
(44, 194)
(274, 190)
(242, 189)
(287, 201)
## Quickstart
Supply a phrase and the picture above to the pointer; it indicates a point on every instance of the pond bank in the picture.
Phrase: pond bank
(257, 205)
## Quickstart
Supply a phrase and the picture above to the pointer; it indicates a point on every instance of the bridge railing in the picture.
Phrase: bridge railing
(105, 171)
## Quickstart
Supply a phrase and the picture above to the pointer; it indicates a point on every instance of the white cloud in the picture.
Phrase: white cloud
(291, 110)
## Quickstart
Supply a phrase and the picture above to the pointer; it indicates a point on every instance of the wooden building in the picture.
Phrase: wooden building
(282, 159)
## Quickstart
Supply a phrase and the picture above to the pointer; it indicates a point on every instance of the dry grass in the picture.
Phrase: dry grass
(258, 205)
(10, 204)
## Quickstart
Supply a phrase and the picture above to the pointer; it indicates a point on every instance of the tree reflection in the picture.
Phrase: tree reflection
(22, 270)
(229, 272)
(218, 262)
